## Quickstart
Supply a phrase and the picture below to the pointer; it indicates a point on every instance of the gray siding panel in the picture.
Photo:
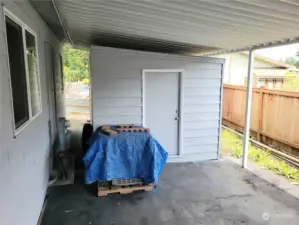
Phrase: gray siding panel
(201, 125)
(193, 133)
(199, 117)
(197, 141)
(117, 93)
(203, 66)
(24, 159)
(203, 74)
(194, 100)
(203, 91)
(197, 83)
(112, 119)
(191, 157)
(119, 83)
(201, 108)
(117, 102)
(201, 111)
(205, 148)
(118, 111)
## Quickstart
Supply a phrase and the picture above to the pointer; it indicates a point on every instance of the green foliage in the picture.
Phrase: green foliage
(237, 151)
(257, 155)
(85, 81)
(291, 83)
(233, 144)
(229, 139)
(292, 61)
(76, 64)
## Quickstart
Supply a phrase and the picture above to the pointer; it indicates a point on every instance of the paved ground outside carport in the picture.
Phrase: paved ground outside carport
(211, 193)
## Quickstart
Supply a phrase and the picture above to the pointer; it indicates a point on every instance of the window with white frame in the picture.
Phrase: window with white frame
(24, 74)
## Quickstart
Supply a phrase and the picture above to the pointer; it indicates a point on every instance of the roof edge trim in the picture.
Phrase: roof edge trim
(62, 24)
(288, 41)
(160, 54)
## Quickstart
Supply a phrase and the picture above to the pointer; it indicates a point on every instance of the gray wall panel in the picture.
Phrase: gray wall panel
(201, 108)
(198, 141)
(203, 91)
(201, 125)
(197, 83)
(117, 102)
(112, 119)
(118, 111)
(193, 100)
(203, 74)
(24, 159)
(199, 117)
(119, 93)
(202, 149)
(188, 133)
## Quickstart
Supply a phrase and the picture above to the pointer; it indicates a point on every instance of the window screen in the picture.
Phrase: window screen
(17, 72)
(33, 73)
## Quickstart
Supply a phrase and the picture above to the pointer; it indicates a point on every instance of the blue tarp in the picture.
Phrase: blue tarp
(128, 155)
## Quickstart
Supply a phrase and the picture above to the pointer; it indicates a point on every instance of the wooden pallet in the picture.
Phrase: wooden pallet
(104, 191)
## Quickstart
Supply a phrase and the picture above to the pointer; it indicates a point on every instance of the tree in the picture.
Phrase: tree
(76, 64)
(291, 82)
(291, 61)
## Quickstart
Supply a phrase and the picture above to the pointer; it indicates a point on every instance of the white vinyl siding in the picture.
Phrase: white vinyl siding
(202, 102)
(24, 159)
(117, 93)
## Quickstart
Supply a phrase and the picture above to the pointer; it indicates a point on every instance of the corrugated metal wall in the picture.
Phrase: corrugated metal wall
(117, 93)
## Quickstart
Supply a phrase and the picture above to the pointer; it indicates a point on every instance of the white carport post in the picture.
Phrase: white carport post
(248, 108)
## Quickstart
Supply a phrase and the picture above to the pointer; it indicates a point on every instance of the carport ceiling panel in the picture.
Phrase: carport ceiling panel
(179, 26)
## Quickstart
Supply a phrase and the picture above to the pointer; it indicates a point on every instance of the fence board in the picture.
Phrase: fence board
(274, 115)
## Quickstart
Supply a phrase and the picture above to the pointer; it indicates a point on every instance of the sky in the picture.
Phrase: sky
(279, 53)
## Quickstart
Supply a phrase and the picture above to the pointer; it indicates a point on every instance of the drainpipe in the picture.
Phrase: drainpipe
(248, 109)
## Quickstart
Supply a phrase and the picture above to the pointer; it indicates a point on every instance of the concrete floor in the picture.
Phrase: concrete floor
(211, 193)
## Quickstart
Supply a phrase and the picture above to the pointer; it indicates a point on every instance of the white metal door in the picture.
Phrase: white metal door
(51, 92)
(162, 108)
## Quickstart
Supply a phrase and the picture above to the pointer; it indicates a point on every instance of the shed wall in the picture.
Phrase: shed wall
(117, 93)
(24, 160)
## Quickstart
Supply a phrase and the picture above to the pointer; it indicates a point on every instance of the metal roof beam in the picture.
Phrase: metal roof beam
(62, 24)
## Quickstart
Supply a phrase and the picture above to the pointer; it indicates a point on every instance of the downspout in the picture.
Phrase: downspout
(62, 24)
(248, 108)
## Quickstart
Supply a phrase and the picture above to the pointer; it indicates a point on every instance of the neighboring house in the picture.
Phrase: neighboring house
(267, 73)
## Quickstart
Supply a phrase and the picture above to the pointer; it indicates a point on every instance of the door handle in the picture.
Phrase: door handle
(177, 118)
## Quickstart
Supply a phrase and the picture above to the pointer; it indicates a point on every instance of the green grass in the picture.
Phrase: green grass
(232, 144)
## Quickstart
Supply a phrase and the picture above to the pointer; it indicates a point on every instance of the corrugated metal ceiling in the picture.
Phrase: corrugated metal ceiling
(183, 27)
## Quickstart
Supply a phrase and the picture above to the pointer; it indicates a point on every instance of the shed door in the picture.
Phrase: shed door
(162, 108)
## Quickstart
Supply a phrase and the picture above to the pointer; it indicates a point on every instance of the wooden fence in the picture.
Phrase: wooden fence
(274, 115)
(77, 109)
